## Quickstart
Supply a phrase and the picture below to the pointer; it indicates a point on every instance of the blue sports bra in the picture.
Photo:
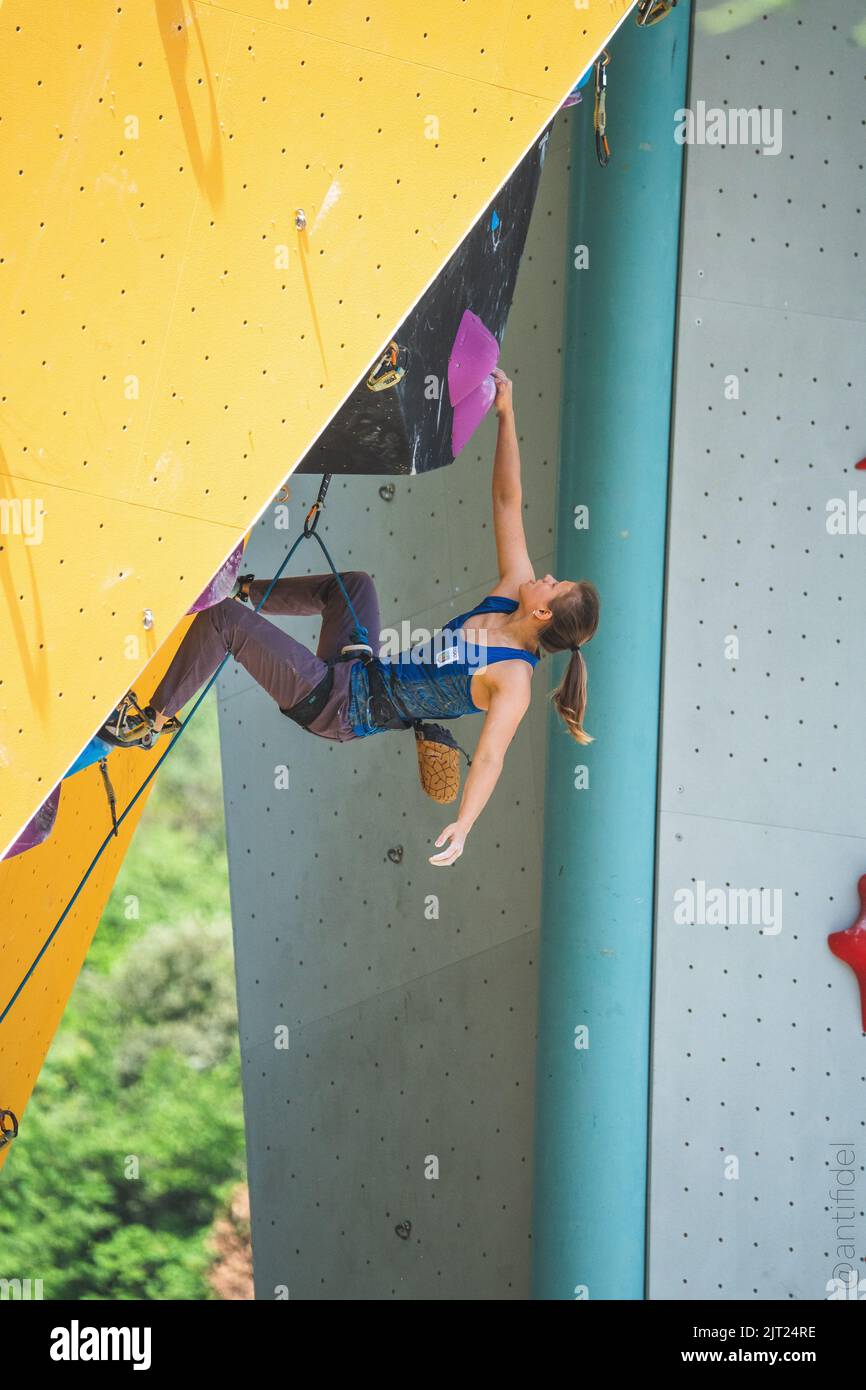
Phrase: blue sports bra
(433, 679)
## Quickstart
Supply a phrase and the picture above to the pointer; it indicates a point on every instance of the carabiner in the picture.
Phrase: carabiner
(8, 1127)
(599, 115)
(311, 520)
(649, 12)
(390, 368)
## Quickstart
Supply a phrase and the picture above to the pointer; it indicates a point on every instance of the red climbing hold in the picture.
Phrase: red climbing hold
(861, 465)
(850, 945)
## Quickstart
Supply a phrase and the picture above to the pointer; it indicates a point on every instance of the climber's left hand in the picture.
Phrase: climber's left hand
(456, 833)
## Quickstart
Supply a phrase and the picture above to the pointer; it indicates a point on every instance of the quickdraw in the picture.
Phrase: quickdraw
(390, 368)
(8, 1127)
(651, 11)
(109, 792)
(359, 646)
(311, 520)
(602, 148)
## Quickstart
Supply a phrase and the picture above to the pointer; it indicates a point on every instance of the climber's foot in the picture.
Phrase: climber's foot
(132, 726)
(143, 733)
(241, 589)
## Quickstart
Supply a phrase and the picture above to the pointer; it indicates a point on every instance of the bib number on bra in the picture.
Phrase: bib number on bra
(444, 658)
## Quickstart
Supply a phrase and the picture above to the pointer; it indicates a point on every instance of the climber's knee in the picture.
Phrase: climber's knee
(225, 612)
(358, 581)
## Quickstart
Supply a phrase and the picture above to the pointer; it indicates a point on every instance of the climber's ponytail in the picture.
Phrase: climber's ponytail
(575, 619)
(569, 698)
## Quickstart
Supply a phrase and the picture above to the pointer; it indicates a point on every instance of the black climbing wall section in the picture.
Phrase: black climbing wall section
(407, 428)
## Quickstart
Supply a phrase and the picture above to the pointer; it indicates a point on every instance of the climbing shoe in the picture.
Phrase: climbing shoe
(241, 588)
(131, 726)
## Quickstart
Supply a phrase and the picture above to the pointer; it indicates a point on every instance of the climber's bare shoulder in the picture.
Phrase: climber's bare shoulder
(507, 685)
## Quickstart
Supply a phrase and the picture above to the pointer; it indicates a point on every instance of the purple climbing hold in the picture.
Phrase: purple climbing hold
(471, 388)
(222, 583)
(470, 412)
(575, 96)
(474, 355)
(39, 828)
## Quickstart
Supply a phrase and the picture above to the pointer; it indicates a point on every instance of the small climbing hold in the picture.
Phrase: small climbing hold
(575, 96)
(495, 229)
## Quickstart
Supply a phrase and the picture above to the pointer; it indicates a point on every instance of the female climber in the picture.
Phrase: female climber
(482, 661)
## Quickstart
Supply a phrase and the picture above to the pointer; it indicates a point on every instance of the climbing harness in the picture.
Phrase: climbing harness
(599, 115)
(390, 368)
(8, 1127)
(651, 11)
(381, 703)
(306, 710)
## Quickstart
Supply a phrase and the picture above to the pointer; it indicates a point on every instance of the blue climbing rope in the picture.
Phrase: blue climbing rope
(360, 634)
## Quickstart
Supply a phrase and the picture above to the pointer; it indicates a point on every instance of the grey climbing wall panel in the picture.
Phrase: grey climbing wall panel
(411, 1035)
(758, 1061)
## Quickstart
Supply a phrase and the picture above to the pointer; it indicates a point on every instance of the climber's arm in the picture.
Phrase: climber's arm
(508, 704)
(515, 567)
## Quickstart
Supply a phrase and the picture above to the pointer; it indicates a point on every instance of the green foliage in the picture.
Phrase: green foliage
(173, 988)
(134, 1137)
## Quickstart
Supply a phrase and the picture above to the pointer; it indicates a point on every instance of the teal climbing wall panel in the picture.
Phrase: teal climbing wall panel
(601, 801)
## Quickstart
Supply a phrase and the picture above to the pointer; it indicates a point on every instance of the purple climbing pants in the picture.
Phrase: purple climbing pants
(283, 667)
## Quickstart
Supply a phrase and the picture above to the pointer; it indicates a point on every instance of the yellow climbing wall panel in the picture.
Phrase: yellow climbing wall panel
(36, 886)
(172, 343)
